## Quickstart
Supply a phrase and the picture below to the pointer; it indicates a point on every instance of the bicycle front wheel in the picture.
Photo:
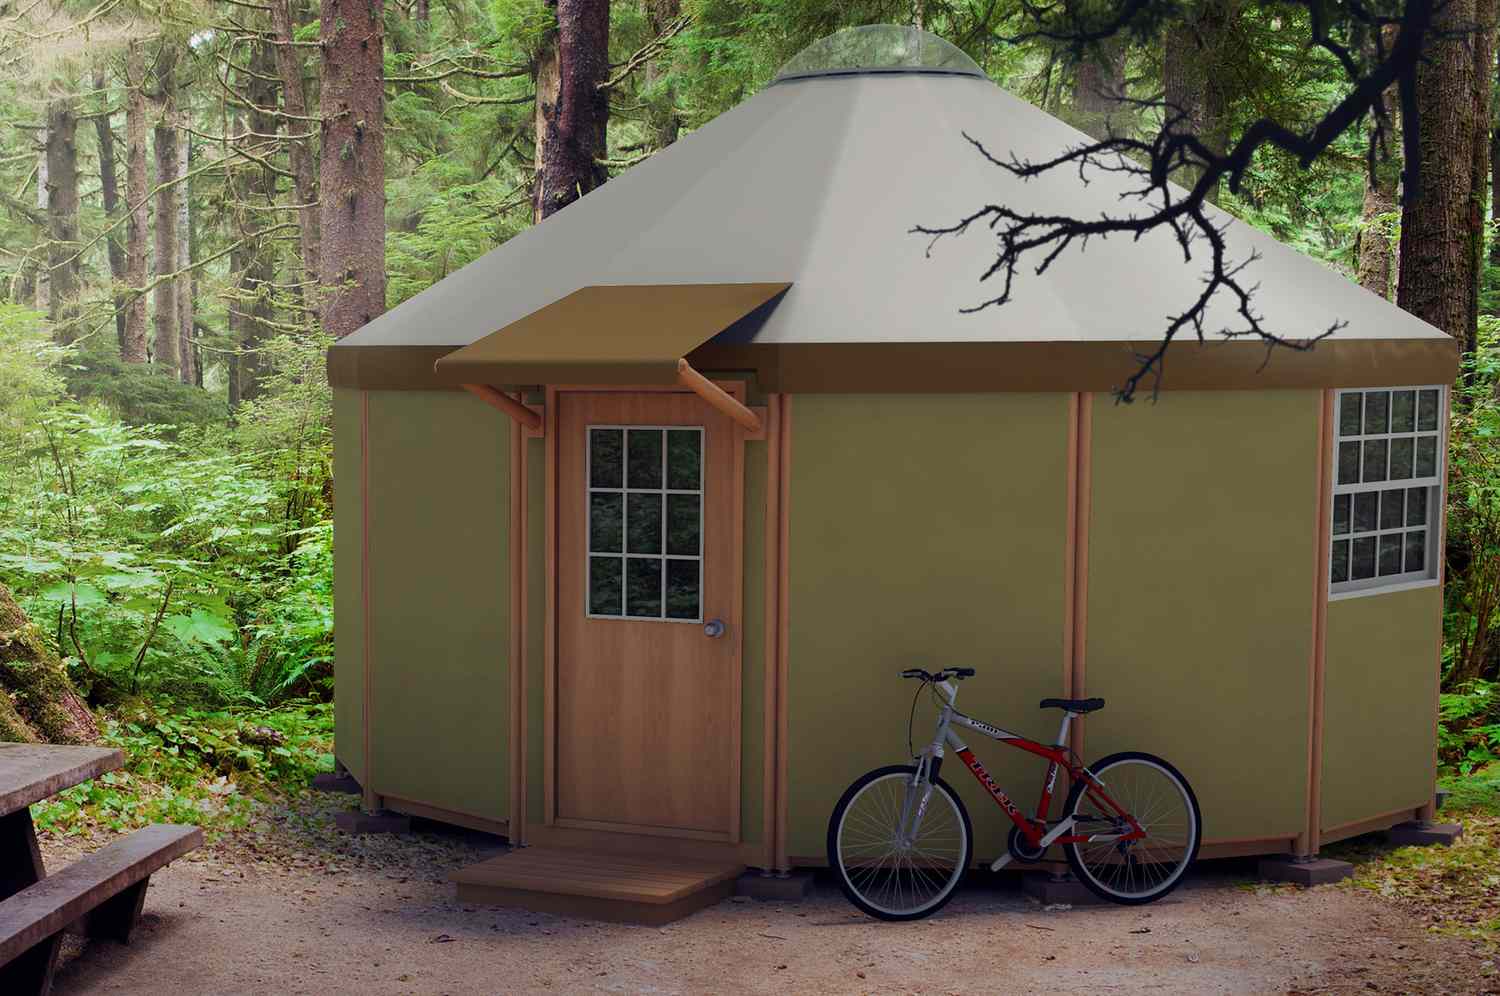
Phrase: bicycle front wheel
(885, 868)
(1160, 800)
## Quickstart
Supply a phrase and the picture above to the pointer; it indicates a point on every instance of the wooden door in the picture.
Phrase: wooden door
(648, 547)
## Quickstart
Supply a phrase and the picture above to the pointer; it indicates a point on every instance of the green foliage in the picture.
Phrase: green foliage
(190, 765)
(1469, 727)
(140, 394)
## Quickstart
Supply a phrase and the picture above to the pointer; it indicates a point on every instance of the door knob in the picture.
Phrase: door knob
(714, 628)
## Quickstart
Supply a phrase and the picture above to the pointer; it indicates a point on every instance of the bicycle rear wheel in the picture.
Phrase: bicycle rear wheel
(883, 874)
(1161, 801)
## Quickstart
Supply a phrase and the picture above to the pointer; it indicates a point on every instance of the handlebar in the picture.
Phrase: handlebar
(943, 675)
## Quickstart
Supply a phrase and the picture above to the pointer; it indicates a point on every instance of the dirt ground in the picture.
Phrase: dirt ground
(292, 906)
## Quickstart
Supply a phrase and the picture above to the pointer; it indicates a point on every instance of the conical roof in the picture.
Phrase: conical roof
(819, 179)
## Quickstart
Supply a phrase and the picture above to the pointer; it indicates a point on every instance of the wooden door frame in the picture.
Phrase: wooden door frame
(558, 830)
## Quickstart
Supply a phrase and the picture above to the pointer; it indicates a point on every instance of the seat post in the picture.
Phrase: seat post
(1062, 731)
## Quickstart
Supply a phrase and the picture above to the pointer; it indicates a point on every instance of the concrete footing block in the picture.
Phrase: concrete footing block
(1055, 889)
(1304, 871)
(1416, 832)
(384, 821)
(332, 781)
(791, 888)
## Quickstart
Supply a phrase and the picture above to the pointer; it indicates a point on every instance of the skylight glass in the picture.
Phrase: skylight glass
(879, 48)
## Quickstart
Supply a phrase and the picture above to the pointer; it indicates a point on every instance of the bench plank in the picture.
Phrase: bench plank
(33, 772)
(48, 907)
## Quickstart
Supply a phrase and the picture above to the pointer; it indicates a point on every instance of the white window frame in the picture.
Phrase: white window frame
(624, 491)
(1434, 483)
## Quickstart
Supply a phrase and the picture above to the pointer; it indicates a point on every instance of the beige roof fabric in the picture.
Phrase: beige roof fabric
(614, 334)
(819, 181)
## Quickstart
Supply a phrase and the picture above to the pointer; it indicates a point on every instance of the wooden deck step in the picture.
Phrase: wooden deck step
(593, 885)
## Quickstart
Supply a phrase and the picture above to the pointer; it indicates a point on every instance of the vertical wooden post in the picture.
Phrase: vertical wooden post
(1308, 840)
(368, 800)
(772, 559)
(783, 642)
(1083, 484)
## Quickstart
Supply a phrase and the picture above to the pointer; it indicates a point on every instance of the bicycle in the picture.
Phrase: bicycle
(1130, 826)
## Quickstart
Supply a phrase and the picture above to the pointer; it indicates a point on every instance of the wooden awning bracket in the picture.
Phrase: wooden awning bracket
(510, 406)
(716, 396)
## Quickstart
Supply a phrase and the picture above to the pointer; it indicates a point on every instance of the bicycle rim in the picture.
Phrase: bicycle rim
(1147, 868)
(893, 878)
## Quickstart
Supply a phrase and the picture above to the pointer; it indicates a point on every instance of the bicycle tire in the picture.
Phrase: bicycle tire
(1088, 876)
(836, 860)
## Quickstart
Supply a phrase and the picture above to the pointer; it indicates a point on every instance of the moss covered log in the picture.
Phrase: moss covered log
(39, 702)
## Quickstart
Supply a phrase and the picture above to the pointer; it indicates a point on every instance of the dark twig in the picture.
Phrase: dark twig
(1176, 151)
(161, 610)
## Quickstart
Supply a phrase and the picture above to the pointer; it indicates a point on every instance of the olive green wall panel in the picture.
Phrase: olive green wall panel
(926, 530)
(1200, 596)
(439, 600)
(536, 628)
(1379, 704)
(348, 594)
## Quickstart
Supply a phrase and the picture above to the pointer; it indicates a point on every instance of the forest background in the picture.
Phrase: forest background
(198, 196)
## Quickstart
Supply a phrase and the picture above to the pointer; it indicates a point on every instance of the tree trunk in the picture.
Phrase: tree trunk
(289, 67)
(1373, 249)
(37, 701)
(187, 359)
(1194, 86)
(109, 189)
(136, 195)
(352, 212)
(1098, 85)
(545, 79)
(164, 342)
(1483, 89)
(577, 122)
(62, 217)
(42, 290)
(662, 119)
(1435, 247)
(256, 193)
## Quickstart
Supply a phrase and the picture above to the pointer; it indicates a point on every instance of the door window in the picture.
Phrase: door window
(645, 522)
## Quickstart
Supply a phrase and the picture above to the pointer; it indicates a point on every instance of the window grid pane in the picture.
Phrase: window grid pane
(645, 501)
(1379, 531)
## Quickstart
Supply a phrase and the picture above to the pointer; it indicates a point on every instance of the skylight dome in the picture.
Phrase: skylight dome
(879, 48)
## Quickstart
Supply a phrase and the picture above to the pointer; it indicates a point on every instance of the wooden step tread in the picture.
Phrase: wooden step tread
(571, 872)
(49, 906)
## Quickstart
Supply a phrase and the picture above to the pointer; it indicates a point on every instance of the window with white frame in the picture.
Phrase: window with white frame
(645, 522)
(1387, 492)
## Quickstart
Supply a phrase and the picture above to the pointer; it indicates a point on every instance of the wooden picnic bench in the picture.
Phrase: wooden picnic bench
(99, 895)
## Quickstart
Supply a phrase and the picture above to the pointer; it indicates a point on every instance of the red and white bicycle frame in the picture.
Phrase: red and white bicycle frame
(1035, 829)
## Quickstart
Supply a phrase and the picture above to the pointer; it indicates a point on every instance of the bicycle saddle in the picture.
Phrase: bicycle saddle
(1073, 705)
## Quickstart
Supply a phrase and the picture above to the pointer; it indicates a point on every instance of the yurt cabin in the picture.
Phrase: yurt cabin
(640, 514)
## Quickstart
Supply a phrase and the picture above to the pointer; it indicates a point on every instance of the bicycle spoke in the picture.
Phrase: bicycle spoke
(1141, 867)
(899, 876)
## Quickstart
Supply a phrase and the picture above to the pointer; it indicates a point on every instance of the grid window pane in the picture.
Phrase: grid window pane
(606, 521)
(605, 585)
(1340, 567)
(684, 524)
(684, 459)
(683, 583)
(1363, 565)
(1365, 506)
(1348, 463)
(1416, 506)
(1377, 411)
(606, 457)
(1427, 411)
(643, 522)
(643, 586)
(1401, 456)
(1403, 411)
(1350, 418)
(644, 463)
(1390, 553)
(1426, 456)
(1376, 454)
(1392, 508)
(1340, 514)
(1416, 550)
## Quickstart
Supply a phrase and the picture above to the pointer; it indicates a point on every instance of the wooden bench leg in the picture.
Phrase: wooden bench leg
(116, 917)
(20, 856)
(31, 973)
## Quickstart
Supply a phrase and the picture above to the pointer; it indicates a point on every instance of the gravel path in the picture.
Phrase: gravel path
(292, 906)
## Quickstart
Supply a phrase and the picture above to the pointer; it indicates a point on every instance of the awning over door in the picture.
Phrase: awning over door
(608, 334)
